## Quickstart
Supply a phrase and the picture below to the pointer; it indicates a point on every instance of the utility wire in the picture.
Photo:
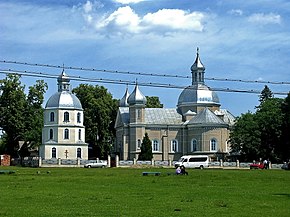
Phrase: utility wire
(127, 82)
(142, 73)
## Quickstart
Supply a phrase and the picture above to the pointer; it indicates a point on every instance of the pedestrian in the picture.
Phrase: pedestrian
(178, 171)
(265, 162)
(183, 172)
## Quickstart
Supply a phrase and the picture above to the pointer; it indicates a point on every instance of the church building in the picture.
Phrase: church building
(197, 126)
(63, 133)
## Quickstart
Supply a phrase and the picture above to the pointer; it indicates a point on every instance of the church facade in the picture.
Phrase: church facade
(197, 126)
(63, 133)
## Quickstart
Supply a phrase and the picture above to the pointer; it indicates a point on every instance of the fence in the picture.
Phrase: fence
(38, 162)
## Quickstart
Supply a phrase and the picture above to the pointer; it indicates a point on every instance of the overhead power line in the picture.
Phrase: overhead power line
(143, 73)
(127, 82)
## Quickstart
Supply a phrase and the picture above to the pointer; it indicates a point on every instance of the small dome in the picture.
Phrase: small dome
(123, 102)
(64, 99)
(136, 97)
(197, 63)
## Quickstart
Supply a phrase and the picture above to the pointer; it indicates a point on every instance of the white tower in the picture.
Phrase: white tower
(63, 133)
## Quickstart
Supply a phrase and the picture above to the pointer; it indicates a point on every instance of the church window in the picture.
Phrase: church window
(213, 145)
(53, 152)
(155, 145)
(51, 134)
(139, 114)
(79, 117)
(66, 134)
(79, 153)
(66, 117)
(193, 145)
(80, 134)
(51, 116)
(138, 143)
(174, 145)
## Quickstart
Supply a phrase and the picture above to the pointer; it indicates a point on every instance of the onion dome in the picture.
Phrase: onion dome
(136, 97)
(197, 70)
(197, 63)
(123, 102)
(63, 98)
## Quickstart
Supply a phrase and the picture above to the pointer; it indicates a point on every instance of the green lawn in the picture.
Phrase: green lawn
(125, 192)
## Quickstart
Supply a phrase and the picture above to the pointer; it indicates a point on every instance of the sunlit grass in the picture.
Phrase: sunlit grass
(125, 192)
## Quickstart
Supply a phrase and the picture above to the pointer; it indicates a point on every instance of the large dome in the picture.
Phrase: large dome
(197, 95)
(64, 99)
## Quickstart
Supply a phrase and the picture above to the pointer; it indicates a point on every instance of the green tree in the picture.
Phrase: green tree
(34, 117)
(269, 118)
(146, 149)
(284, 148)
(265, 94)
(245, 137)
(100, 111)
(21, 115)
(265, 133)
(12, 108)
(153, 102)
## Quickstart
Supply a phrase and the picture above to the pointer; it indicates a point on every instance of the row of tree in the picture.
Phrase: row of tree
(266, 132)
(21, 116)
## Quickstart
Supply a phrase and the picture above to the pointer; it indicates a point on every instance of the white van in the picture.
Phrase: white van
(193, 161)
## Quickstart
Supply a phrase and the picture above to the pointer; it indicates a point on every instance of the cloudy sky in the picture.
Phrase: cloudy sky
(238, 39)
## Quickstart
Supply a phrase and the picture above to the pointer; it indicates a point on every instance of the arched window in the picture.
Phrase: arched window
(66, 134)
(80, 134)
(155, 145)
(138, 143)
(139, 114)
(174, 145)
(79, 153)
(51, 117)
(66, 117)
(213, 145)
(53, 152)
(79, 117)
(51, 134)
(193, 145)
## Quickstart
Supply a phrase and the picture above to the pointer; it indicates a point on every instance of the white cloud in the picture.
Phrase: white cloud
(175, 19)
(126, 20)
(264, 19)
(129, 1)
(88, 7)
(123, 18)
(236, 12)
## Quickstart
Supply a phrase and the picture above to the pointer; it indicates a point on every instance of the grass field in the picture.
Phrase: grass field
(125, 192)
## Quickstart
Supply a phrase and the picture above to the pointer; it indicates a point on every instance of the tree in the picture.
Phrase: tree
(265, 94)
(12, 108)
(21, 115)
(34, 116)
(245, 137)
(146, 149)
(269, 118)
(265, 133)
(284, 148)
(153, 102)
(100, 111)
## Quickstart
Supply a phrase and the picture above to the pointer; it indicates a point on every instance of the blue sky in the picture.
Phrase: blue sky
(238, 39)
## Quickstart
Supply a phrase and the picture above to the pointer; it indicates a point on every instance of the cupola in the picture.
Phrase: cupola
(137, 97)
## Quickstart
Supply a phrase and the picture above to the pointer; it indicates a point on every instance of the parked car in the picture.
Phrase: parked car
(286, 166)
(97, 163)
(257, 166)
